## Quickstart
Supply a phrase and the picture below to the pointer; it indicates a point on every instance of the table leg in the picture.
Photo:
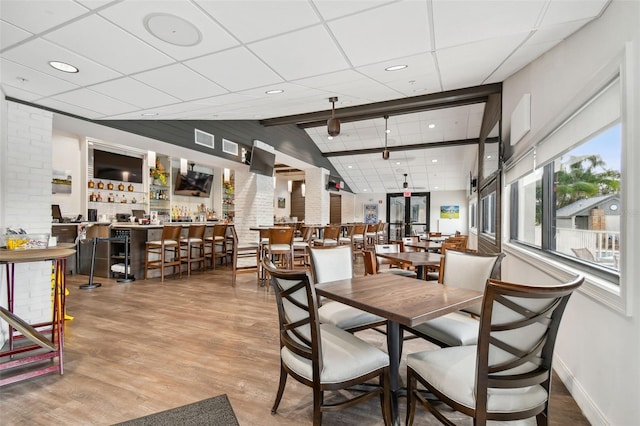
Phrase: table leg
(420, 272)
(393, 347)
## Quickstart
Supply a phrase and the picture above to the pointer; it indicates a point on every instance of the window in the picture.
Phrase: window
(488, 212)
(472, 215)
(569, 206)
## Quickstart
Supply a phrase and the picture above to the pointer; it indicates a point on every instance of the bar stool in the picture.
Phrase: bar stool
(167, 248)
(330, 236)
(194, 241)
(281, 246)
(95, 233)
(217, 244)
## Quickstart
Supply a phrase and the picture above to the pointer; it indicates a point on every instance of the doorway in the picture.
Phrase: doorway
(408, 215)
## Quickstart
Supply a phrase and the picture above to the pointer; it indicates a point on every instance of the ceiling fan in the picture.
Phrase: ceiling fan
(333, 124)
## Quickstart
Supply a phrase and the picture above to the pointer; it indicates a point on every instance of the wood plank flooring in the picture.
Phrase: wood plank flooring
(139, 348)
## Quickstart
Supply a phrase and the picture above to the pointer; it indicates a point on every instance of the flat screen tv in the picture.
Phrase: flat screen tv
(112, 166)
(334, 184)
(262, 162)
(194, 184)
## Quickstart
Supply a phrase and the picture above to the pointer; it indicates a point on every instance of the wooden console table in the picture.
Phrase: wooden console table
(39, 347)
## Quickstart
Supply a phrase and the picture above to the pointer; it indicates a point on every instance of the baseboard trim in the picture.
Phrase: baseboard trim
(582, 398)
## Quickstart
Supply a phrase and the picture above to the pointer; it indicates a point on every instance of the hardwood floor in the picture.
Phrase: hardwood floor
(139, 348)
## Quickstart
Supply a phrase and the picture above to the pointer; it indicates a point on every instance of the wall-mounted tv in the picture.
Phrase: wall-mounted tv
(194, 184)
(262, 161)
(112, 166)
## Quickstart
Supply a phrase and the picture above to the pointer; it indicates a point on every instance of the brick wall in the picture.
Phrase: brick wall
(26, 195)
(316, 209)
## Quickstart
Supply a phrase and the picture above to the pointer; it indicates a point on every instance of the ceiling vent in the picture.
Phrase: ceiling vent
(204, 139)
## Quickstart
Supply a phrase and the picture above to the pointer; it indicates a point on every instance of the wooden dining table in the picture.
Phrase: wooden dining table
(419, 259)
(431, 246)
(402, 301)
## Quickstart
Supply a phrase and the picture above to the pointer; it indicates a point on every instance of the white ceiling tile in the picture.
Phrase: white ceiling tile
(471, 64)
(134, 93)
(331, 9)
(94, 101)
(255, 20)
(71, 108)
(20, 77)
(391, 31)
(36, 54)
(18, 93)
(131, 16)
(566, 11)
(39, 15)
(247, 71)
(462, 22)
(10, 35)
(181, 82)
(84, 35)
(304, 53)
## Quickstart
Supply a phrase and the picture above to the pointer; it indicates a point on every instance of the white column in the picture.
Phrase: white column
(254, 195)
(316, 203)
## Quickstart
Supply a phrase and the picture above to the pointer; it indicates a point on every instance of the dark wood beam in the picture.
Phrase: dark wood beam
(429, 145)
(448, 99)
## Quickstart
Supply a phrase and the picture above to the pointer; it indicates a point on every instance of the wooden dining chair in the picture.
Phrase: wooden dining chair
(193, 247)
(165, 252)
(336, 263)
(465, 270)
(507, 375)
(323, 356)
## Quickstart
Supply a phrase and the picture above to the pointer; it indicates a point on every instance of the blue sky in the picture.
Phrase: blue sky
(607, 144)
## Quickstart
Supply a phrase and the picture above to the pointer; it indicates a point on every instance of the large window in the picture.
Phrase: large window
(570, 205)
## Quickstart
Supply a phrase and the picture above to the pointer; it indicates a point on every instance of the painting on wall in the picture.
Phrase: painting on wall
(449, 212)
(370, 213)
(281, 202)
(61, 182)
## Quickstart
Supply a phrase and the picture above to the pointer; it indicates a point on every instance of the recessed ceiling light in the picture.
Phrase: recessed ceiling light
(172, 29)
(435, 160)
(436, 187)
(488, 156)
(396, 67)
(432, 126)
(398, 163)
(63, 66)
(274, 91)
(330, 138)
(364, 190)
(349, 167)
(149, 114)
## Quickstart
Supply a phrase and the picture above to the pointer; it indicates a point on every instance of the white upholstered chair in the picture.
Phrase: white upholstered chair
(331, 264)
(467, 270)
(507, 375)
(323, 356)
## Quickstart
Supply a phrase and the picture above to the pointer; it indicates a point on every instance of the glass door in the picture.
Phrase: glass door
(407, 215)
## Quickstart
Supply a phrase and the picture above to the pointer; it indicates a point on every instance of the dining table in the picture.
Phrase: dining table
(432, 246)
(402, 301)
(419, 259)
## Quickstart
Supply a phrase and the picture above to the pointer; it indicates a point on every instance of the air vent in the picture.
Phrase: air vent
(204, 139)
(229, 147)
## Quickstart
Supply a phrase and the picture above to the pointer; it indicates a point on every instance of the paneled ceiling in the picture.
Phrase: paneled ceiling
(217, 60)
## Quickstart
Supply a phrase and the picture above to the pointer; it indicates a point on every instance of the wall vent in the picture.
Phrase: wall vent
(204, 139)
(229, 147)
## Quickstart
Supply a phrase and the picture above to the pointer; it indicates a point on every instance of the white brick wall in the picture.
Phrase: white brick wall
(26, 202)
(254, 195)
(316, 200)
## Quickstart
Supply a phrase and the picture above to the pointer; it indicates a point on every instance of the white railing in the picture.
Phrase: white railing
(604, 245)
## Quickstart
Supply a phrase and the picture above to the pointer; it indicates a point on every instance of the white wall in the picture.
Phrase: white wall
(282, 191)
(598, 346)
(66, 156)
(449, 198)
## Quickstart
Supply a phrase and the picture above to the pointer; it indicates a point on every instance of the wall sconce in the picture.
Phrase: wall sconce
(303, 188)
(183, 166)
(226, 175)
(151, 158)
(290, 186)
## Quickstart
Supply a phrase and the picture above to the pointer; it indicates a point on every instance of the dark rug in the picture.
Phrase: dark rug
(213, 411)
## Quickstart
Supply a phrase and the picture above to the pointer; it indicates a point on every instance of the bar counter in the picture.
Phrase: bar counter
(109, 253)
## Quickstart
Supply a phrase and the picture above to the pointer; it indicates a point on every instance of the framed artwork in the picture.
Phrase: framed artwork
(61, 182)
(281, 202)
(449, 212)
(370, 213)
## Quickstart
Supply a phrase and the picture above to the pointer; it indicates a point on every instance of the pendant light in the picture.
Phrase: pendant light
(385, 153)
(405, 185)
(333, 124)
